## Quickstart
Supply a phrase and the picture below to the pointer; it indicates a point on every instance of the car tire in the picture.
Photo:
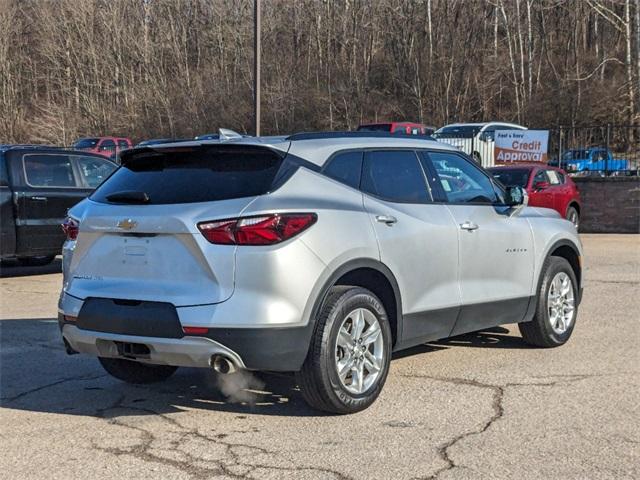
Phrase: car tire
(135, 372)
(36, 261)
(322, 385)
(573, 216)
(552, 324)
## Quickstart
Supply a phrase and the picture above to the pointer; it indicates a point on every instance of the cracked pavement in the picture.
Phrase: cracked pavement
(482, 405)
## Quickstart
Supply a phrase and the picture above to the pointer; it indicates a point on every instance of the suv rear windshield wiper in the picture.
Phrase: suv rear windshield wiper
(128, 197)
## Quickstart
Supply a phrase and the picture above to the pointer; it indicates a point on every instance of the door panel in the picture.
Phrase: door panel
(42, 205)
(417, 241)
(495, 251)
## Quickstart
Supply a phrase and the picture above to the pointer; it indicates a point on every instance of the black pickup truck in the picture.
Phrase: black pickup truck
(38, 185)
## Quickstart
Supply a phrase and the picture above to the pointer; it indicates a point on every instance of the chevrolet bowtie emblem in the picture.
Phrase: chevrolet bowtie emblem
(127, 224)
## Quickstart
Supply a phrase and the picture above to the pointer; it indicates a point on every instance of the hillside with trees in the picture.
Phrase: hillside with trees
(156, 68)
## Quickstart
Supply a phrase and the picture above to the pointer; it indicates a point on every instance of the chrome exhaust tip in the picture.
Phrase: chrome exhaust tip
(223, 364)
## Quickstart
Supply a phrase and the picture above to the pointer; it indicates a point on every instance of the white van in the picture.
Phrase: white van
(474, 139)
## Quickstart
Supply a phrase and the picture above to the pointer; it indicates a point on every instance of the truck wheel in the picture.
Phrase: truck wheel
(573, 216)
(36, 261)
(350, 352)
(557, 310)
(136, 372)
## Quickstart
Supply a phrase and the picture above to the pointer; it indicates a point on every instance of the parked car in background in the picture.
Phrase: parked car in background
(593, 160)
(548, 187)
(37, 187)
(474, 139)
(105, 146)
(406, 128)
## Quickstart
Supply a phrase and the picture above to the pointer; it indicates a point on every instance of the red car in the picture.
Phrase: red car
(548, 187)
(407, 128)
(105, 146)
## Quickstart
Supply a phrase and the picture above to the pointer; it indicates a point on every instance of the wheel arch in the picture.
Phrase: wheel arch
(374, 276)
(575, 204)
(571, 253)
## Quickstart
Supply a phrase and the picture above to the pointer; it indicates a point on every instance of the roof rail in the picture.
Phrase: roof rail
(321, 135)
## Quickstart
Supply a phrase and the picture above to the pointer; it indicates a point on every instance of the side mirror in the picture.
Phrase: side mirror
(541, 185)
(517, 199)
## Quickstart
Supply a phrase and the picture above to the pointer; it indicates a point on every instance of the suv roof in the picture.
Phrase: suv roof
(315, 147)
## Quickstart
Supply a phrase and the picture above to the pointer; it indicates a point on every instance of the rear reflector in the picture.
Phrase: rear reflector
(261, 230)
(70, 227)
(69, 318)
(195, 330)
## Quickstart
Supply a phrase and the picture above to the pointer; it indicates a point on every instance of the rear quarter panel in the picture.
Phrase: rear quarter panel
(343, 232)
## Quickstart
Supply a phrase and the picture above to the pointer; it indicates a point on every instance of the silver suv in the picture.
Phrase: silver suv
(319, 254)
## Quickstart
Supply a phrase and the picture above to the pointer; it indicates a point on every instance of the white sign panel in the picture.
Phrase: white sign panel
(521, 146)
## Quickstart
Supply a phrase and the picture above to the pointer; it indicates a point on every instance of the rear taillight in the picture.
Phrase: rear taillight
(261, 230)
(70, 227)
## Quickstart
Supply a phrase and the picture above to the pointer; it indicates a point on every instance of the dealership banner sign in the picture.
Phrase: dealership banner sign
(521, 146)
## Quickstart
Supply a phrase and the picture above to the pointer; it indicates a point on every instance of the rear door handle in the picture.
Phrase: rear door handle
(388, 219)
(38, 199)
(468, 226)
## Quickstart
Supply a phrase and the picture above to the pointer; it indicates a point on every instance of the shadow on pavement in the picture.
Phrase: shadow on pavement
(37, 375)
(11, 268)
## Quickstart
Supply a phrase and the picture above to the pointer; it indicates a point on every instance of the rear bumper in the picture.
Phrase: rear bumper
(272, 349)
(179, 352)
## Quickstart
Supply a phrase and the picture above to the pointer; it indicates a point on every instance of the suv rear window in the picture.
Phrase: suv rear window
(190, 175)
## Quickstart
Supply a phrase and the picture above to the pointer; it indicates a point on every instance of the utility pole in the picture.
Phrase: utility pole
(256, 66)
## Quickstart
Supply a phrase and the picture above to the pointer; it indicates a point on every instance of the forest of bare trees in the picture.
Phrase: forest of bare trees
(156, 68)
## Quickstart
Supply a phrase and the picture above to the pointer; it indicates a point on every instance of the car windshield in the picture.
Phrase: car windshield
(457, 131)
(511, 177)
(86, 143)
(578, 154)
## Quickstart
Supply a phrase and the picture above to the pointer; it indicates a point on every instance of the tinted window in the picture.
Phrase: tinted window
(4, 178)
(380, 127)
(108, 145)
(540, 177)
(346, 168)
(457, 131)
(86, 143)
(461, 180)
(511, 177)
(187, 175)
(43, 170)
(395, 176)
(93, 170)
(123, 144)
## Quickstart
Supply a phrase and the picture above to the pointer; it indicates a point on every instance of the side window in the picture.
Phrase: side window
(554, 178)
(42, 170)
(489, 134)
(346, 168)
(93, 171)
(461, 180)
(395, 176)
(540, 177)
(561, 177)
(122, 144)
(4, 178)
(108, 146)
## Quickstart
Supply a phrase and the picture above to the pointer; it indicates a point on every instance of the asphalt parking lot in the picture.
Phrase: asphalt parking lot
(482, 405)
